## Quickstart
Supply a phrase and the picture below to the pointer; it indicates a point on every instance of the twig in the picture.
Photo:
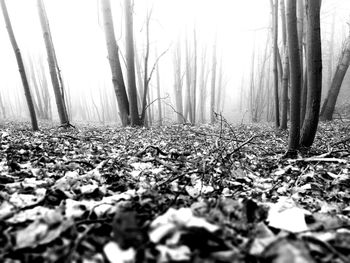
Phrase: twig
(246, 142)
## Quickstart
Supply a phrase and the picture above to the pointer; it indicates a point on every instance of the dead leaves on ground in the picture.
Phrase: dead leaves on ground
(173, 194)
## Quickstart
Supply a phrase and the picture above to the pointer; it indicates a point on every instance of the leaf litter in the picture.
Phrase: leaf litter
(181, 193)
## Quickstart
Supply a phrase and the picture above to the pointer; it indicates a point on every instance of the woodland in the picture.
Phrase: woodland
(138, 173)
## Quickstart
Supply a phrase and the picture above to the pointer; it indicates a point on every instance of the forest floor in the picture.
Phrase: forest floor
(181, 193)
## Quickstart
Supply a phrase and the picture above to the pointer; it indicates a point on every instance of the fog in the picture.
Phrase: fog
(78, 37)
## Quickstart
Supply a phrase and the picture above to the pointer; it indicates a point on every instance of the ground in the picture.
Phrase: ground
(181, 193)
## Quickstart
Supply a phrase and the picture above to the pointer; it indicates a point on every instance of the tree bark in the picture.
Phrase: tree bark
(178, 84)
(114, 62)
(333, 92)
(314, 68)
(300, 17)
(160, 122)
(194, 86)
(274, 7)
(213, 84)
(62, 112)
(294, 66)
(130, 62)
(20, 66)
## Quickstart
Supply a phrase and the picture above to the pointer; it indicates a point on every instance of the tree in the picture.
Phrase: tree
(213, 82)
(20, 66)
(158, 95)
(300, 17)
(274, 7)
(114, 62)
(130, 64)
(295, 75)
(314, 72)
(194, 86)
(333, 92)
(285, 75)
(178, 81)
(189, 82)
(56, 81)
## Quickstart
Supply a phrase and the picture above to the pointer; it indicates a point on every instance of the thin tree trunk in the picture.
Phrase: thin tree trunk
(333, 92)
(158, 95)
(130, 62)
(202, 87)
(294, 65)
(20, 66)
(114, 62)
(285, 77)
(178, 84)
(314, 68)
(188, 103)
(62, 112)
(194, 86)
(219, 88)
(275, 59)
(213, 83)
(300, 17)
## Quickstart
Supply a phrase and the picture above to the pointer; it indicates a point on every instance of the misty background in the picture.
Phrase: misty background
(239, 27)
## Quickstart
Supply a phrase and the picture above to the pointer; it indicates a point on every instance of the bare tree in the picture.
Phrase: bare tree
(274, 7)
(213, 82)
(178, 81)
(20, 66)
(294, 65)
(56, 83)
(285, 76)
(130, 63)
(314, 75)
(333, 92)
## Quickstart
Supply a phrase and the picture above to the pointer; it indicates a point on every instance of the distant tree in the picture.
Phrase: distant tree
(333, 92)
(54, 70)
(178, 83)
(114, 62)
(130, 64)
(213, 83)
(20, 66)
(314, 72)
(202, 85)
(194, 79)
(160, 120)
(274, 7)
(189, 83)
(295, 74)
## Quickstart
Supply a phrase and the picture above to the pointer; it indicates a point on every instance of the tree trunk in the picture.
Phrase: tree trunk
(194, 86)
(129, 42)
(62, 112)
(294, 66)
(202, 86)
(158, 95)
(21, 67)
(274, 9)
(213, 82)
(333, 92)
(145, 76)
(178, 84)
(314, 68)
(114, 62)
(300, 17)
(188, 103)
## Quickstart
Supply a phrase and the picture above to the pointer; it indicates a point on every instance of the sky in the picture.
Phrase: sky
(80, 45)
